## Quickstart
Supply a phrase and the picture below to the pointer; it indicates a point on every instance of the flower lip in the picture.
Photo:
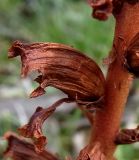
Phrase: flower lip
(15, 50)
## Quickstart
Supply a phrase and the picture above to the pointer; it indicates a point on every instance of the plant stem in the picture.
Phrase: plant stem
(118, 82)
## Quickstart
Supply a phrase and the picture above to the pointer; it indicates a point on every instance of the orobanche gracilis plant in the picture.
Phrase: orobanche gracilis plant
(80, 78)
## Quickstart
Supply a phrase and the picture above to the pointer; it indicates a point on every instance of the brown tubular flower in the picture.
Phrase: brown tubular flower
(132, 56)
(101, 8)
(62, 67)
(19, 149)
(128, 136)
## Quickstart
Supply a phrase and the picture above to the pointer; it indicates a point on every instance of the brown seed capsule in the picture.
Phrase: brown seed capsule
(62, 67)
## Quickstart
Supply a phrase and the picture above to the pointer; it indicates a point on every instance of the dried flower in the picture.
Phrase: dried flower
(102, 8)
(64, 68)
(34, 127)
(19, 149)
(132, 56)
(128, 136)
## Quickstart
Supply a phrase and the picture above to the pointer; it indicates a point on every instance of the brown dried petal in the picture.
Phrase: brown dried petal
(34, 128)
(102, 8)
(62, 67)
(19, 149)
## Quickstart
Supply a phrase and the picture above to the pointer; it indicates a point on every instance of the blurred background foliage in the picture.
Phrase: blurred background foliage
(62, 21)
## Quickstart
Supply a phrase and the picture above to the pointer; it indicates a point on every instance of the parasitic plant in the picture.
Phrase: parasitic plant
(81, 79)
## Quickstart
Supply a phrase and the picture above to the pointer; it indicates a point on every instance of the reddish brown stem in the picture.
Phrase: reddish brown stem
(119, 80)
